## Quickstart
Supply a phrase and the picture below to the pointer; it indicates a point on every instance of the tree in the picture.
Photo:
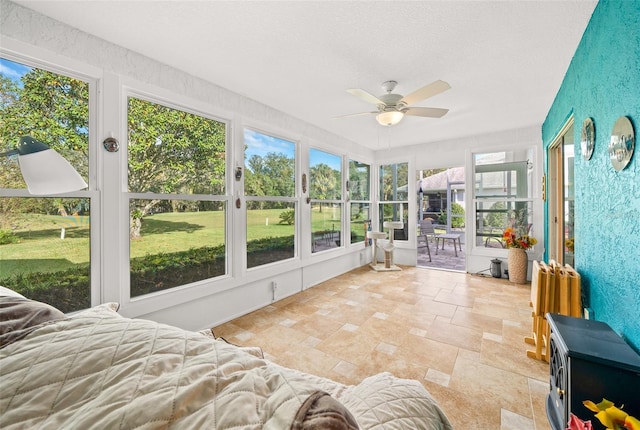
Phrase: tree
(497, 218)
(172, 151)
(53, 109)
(271, 175)
(394, 176)
(169, 151)
(324, 183)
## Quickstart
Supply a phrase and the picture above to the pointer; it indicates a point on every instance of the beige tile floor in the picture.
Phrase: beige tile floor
(460, 335)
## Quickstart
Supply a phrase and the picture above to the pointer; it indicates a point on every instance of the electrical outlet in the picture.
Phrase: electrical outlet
(274, 288)
(588, 314)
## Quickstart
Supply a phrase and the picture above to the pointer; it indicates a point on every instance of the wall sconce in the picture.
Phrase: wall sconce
(44, 170)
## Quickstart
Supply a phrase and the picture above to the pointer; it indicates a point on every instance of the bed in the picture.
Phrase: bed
(97, 369)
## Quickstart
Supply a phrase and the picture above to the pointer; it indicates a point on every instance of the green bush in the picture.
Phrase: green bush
(7, 237)
(456, 222)
(162, 271)
(69, 290)
(497, 219)
(288, 217)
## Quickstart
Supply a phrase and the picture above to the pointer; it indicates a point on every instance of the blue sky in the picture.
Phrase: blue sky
(13, 71)
(320, 157)
(262, 144)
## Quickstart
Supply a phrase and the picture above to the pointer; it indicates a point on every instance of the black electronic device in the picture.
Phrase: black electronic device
(589, 361)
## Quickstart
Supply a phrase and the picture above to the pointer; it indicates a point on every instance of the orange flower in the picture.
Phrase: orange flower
(513, 241)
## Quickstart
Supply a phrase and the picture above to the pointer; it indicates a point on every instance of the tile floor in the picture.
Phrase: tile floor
(460, 335)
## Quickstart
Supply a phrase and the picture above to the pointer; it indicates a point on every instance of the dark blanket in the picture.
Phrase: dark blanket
(20, 316)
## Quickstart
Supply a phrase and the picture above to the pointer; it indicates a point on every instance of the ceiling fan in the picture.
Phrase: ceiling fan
(393, 107)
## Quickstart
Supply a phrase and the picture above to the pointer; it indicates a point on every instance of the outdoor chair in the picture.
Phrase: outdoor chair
(427, 230)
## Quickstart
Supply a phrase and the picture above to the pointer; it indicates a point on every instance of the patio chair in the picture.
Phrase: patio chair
(427, 230)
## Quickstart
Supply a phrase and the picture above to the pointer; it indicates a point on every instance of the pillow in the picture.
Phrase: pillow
(20, 316)
(4, 291)
(322, 412)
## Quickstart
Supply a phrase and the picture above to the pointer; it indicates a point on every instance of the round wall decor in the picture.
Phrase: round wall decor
(588, 138)
(622, 143)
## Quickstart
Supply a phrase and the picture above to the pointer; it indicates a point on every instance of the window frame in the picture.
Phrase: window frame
(341, 201)
(381, 202)
(525, 164)
(293, 199)
(45, 60)
(162, 98)
(350, 202)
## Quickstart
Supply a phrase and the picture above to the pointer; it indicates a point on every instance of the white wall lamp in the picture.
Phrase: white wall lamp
(44, 170)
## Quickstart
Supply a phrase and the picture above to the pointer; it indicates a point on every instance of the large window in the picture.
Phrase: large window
(176, 163)
(394, 197)
(44, 242)
(269, 187)
(502, 196)
(359, 200)
(325, 190)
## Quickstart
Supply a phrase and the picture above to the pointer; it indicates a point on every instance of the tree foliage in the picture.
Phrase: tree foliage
(393, 177)
(173, 151)
(359, 176)
(324, 182)
(169, 151)
(271, 175)
(53, 109)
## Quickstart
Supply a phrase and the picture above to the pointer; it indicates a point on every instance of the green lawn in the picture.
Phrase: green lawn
(41, 248)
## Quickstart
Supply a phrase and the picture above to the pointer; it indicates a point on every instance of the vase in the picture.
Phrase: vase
(517, 263)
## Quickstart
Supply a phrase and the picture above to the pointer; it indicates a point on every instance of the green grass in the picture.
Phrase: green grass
(41, 249)
(263, 223)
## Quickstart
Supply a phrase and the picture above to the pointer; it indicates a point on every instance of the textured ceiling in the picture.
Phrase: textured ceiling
(504, 60)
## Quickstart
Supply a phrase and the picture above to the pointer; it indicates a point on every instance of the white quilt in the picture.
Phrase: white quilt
(96, 369)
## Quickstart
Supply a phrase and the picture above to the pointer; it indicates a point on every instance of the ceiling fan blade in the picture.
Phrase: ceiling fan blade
(425, 92)
(367, 97)
(354, 114)
(426, 112)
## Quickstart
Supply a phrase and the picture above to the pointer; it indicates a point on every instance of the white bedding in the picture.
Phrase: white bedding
(96, 369)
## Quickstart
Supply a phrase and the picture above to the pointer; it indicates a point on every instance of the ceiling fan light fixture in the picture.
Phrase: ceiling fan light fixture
(389, 118)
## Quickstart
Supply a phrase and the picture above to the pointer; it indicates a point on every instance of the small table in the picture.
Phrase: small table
(450, 236)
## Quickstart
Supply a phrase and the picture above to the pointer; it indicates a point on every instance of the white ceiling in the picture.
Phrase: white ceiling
(505, 60)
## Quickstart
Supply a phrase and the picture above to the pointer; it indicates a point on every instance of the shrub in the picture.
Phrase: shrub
(7, 237)
(456, 222)
(69, 290)
(288, 217)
